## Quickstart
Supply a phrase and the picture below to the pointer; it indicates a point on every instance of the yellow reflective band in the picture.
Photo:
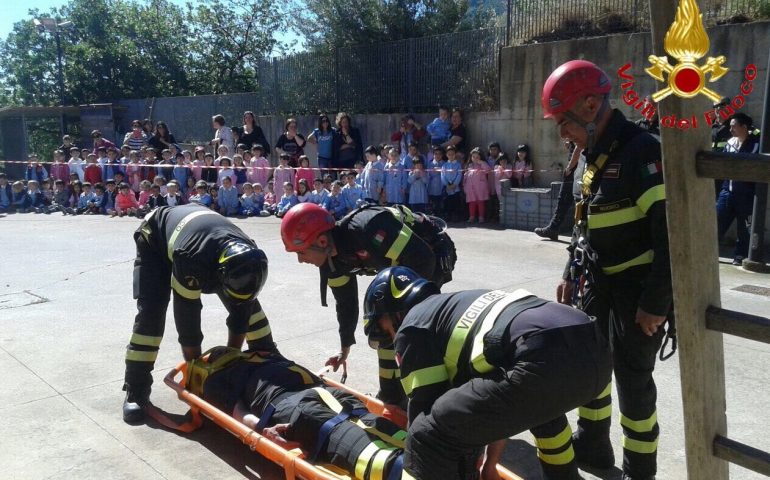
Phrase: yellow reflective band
(255, 317)
(386, 354)
(406, 476)
(184, 291)
(338, 282)
(257, 334)
(553, 443)
(307, 379)
(595, 414)
(237, 295)
(652, 195)
(641, 426)
(424, 377)
(605, 392)
(389, 373)
(139, 356)
(643, 259)
(562, 458)
(146, 340)
(363, 460)
(399, 244)
(639, 446)
(329, 399)
(378, 464)
(403, 214)
(463, 327)
(397, 440)
(615, 218)
(181, 226)
(478, 360)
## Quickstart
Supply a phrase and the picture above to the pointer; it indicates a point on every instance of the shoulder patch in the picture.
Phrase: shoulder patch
(652, 168)
(379, 237)
(612, 171)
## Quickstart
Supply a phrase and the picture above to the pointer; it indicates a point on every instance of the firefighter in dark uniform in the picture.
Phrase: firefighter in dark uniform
(622, 247)
(480, 366)
(190, 250)
(364, 242)
(720, 133)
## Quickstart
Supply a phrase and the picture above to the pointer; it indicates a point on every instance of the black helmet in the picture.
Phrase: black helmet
(393, 290)
(242, 270)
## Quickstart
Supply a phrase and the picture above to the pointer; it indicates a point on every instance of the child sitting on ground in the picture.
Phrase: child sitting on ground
(156, 198)
(287, 201)
(60, 196)
(270, 200)
(125, 202)
(228, 198)
(335, 203)
(214, 192)
(94, 206)
(144, 193)
(85, 197)
(303, 191)
(37, 201)
(201, 195)
(172, 198)
(160, 182)
(249, 206)
(319, 193)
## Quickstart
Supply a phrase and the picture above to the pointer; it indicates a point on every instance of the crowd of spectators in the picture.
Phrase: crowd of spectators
(427, 168)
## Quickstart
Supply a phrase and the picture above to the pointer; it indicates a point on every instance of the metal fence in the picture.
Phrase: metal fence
(407, 75)
(552, 20)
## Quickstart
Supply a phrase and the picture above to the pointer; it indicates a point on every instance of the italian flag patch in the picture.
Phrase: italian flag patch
(652, 168)
(379, 237)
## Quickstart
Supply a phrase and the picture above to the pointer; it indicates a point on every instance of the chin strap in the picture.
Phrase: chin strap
(590, 127)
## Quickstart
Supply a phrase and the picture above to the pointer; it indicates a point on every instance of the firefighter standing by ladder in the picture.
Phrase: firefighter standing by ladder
(622, 246)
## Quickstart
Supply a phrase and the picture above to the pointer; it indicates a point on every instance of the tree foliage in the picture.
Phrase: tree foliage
(137, 49)
(334, 23)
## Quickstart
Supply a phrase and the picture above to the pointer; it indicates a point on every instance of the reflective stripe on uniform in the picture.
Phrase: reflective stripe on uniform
(338, 281)
(329, 399)
(399, 244)
(257, 334)
(256, 317)
(643, 259)
(463, 327)
(389, 373)
(614, 218)
(378, 464)
(562, 458)
(386, 354)
(640, 446)
(406, 476)
(424, 377)
(595, 414)
(607, 390)
(478, 360)
(307, 379)
(652, 195)
(369, 452)
(146, 340)
(641, 426)
(184, 291)
(553, 443)
(187, 219)
(141, 356)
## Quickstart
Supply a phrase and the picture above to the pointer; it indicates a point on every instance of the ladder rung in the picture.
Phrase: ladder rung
(741, 454)
(739, 324)
(744, 167)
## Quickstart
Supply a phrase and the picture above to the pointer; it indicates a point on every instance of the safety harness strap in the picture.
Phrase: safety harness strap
(397, 468)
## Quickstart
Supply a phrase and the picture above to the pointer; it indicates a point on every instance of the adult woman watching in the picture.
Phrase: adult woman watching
(291, 143)
(346, 147)
(163, 139)
(323, 136)
(252, 133)
(136, 138)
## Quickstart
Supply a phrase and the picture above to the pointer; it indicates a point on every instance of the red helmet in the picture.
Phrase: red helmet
(571, 82)
(302, 224)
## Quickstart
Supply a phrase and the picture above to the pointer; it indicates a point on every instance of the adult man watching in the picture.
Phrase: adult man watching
(622, 244)
(480, 366)
(190, 250)
(364, 242)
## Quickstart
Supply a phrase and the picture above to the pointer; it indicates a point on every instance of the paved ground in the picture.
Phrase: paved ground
(66, 314)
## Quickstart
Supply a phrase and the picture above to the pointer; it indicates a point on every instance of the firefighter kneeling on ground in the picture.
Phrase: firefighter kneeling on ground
(190, 250)
(365, 241)
(480, 366)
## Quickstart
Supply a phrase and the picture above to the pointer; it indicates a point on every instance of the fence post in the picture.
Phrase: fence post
(337, 78)
(276, 87)
(508, 23)
(410, 75)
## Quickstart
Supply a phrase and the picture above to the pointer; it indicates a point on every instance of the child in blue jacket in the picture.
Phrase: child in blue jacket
(335, 203)
(287, 201)
(228, 198)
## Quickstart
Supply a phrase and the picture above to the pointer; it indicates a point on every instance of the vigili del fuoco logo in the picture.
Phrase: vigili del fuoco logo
(687, 42)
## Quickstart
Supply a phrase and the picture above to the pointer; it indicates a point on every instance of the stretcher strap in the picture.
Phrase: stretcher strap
(397, 468)
(196, 421)
(264, 419)
(325, 432)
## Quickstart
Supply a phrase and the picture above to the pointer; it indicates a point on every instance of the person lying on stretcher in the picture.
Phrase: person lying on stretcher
(295, 409)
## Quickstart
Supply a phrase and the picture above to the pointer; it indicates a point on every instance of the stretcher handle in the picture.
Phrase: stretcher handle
(329, 369)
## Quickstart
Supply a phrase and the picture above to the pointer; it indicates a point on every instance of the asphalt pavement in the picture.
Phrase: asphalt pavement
(66, 312)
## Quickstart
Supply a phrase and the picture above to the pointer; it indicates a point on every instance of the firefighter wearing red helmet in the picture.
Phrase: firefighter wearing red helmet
(183, 252)
(621, 245)
(367, 240)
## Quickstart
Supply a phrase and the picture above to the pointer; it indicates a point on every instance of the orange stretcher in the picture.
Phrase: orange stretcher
(292, 461)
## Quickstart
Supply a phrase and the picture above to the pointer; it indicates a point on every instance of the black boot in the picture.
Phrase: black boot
(133, 405)
(547, 232)
(629, 477)
(596, 454)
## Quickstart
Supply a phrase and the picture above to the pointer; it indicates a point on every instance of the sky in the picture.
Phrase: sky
(12, 11)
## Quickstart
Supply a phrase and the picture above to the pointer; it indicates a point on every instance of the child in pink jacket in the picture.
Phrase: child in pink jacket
(476, 186)
(260, 169)
(125, 201)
